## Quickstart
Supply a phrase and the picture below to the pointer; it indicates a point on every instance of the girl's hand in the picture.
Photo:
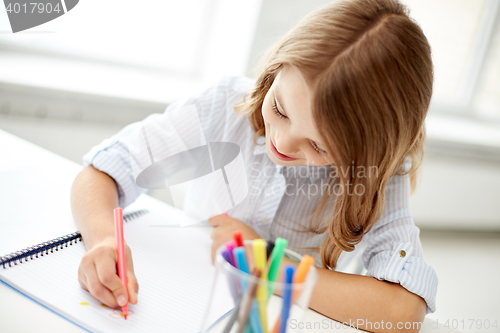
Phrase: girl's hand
(98, 275)
(223, 231)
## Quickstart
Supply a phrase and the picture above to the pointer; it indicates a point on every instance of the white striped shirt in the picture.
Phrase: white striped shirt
(281, 198)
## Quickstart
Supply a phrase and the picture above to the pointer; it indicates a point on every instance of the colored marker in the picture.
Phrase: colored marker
(299, 277)
(269, 248)
(238, 242)
(225, 214)
(227, 255)
(233, 283)
(277, 256)
(259, 256)
(288, 271)
(301, 273)
(238, 238)
(241, 261)
(247, 302)
(230, 247)
(120, 250)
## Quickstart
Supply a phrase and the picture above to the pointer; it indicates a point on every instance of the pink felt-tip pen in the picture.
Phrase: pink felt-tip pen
(120, 250)
(230, 245)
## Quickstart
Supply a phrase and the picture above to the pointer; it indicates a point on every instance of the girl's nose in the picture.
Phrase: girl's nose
(286, 147)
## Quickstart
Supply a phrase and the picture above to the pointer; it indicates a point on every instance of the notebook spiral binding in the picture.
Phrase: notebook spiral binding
(32, 252)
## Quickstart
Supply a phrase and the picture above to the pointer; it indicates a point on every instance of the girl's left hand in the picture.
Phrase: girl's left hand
(223, 231)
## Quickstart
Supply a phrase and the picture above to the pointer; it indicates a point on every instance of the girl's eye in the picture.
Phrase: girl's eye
(275, 108)
(317, 149)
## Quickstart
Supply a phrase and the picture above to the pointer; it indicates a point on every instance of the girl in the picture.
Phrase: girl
(332, 134)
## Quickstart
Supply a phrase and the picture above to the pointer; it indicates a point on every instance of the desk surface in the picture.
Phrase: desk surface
(18, 313)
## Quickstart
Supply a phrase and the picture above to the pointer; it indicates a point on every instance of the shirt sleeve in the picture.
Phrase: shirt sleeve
(394, 252)
(111, 157)
(185, 124)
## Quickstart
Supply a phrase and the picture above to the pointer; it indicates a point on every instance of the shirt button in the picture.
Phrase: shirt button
(402, 253)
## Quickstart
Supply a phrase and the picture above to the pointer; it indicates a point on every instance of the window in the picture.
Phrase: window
(487, 99)
(188, 38)
(465, 40)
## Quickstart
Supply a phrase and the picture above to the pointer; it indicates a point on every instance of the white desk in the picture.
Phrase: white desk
(18, 313)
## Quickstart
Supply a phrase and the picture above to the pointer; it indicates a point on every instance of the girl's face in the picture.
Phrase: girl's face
(291, 134)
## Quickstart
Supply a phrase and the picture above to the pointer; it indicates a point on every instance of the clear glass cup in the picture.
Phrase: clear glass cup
(227, 290)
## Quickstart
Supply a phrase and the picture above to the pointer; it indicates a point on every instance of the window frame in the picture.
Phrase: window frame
(489, 25)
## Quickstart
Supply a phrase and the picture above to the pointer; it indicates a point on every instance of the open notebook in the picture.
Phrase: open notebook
(172, 265)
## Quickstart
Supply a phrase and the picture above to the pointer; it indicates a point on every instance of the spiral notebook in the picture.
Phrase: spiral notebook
(172, 264)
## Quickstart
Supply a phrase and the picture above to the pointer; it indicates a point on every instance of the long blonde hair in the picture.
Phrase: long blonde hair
(371, 67)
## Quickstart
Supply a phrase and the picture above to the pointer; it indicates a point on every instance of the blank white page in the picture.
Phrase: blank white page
(172, 265)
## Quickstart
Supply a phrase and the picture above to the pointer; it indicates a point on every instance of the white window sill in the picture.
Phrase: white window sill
(67, 75)
(462, 137)
(460, 130)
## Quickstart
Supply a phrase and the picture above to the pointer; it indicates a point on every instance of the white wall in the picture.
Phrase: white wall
(457, 193)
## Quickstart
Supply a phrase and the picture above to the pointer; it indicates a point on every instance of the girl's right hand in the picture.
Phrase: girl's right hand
(98, 275)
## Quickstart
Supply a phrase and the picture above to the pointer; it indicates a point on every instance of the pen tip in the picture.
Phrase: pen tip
(125, 317)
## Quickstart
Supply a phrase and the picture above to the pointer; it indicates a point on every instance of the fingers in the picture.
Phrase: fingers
(213, 233)
(214, 250)
(98, 290)
(97, 274)
(218, 220)
(220, 235)
(82, 279)
(133, 285)
(106, 271)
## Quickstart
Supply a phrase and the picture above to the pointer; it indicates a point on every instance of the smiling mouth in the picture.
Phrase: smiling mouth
(280, 155)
